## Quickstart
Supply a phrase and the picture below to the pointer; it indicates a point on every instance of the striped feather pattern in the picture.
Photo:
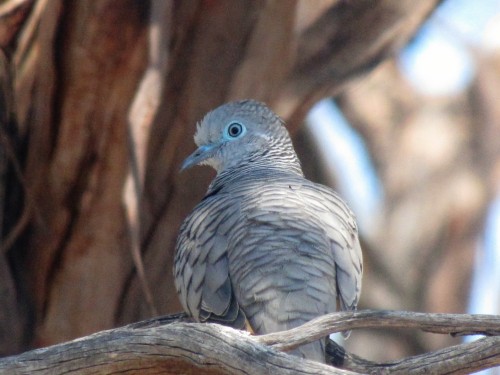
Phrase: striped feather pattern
(266, 245)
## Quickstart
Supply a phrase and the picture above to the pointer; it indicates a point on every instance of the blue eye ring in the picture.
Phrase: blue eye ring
(235, 129)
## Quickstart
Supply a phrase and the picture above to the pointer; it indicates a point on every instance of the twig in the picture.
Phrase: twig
(8, 7)
(28, 32)
(141, 116)
(454, 324)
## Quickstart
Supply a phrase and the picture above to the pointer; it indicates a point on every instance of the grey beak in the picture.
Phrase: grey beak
(201, 154)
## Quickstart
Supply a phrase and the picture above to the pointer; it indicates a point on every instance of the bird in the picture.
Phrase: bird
(265, 247)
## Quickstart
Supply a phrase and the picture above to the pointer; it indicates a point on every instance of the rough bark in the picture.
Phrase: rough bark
(171, 346)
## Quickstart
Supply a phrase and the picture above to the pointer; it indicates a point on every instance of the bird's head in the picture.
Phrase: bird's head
(240, 132)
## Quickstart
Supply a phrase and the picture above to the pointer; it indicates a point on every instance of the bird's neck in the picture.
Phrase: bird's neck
(259, 168)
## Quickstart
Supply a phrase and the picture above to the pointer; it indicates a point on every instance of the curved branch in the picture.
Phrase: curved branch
(352, 37)
(454, 324)
(173, 349)
(172, 345)
(348, 39)
(459, 359)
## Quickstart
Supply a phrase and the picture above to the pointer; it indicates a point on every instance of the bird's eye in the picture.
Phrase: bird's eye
(235, 129)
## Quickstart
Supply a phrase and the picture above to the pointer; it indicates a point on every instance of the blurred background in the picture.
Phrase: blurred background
(392, 103)
(434, 160)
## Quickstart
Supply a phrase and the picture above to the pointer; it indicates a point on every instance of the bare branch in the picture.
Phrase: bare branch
(459, 359)
(352, 37)
(172, 349)
(171, 345)
(347, 40)
(454, 324)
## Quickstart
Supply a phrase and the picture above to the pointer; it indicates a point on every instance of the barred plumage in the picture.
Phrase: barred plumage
(265, 244)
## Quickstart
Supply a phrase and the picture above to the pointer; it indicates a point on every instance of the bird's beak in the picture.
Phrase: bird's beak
(201, 154)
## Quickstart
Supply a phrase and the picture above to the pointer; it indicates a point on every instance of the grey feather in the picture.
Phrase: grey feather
(265, 245)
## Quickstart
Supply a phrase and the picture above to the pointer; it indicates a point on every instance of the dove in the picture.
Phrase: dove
(265, 246)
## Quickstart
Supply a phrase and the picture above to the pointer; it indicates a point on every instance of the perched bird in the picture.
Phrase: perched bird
(265, 245)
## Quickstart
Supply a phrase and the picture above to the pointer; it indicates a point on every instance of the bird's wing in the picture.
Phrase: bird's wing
(293, 216)
(201, 264)
(340, 226)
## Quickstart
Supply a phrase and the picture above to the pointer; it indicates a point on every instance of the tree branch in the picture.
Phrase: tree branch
(172, 349)
(173, 345)
(459, 359)
(348, 39)
(454, 324)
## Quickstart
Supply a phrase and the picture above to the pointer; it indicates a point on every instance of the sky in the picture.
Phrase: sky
(439, 60)
(346, 155)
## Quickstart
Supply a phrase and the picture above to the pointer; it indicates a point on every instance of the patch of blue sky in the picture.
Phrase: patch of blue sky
(346, 155)
(485, 288)
(439, 60)
(467, 19)
(436, 64)
(485, 293)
